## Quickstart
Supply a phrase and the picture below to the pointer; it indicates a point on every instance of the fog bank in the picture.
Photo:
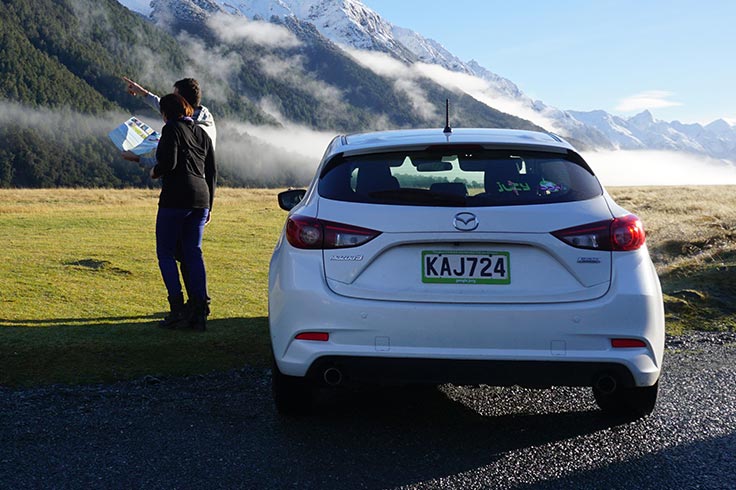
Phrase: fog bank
(642, 167)
(63, 121)
(270, 155)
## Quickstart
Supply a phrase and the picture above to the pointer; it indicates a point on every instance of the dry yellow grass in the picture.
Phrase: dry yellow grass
(684, 225)
(691, 235)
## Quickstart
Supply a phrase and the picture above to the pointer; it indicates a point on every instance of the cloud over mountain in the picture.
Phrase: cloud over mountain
(231, 28)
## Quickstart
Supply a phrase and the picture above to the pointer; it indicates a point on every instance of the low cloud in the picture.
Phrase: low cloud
(215, 67)
(291, 71)
(635, 168)
(62, 122)
(485, 92)
(271, 155)
(257, 155)
(276, 67)
(651, 99)
(289, 154)
(418, 99)
(232, 28)
(407, 77)
(381, 64)
(291, 138)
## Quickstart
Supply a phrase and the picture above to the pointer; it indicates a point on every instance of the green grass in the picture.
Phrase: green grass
(81, 292)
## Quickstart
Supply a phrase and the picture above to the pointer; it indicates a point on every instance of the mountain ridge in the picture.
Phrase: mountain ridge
(279, 90)
(351, 23)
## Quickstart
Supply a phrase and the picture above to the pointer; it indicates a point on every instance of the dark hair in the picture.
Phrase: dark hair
(189, 89)
(174, 106)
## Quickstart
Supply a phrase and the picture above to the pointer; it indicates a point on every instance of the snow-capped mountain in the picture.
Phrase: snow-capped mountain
(347, 22)
(643, 131)
(613, 127)
(352, 24)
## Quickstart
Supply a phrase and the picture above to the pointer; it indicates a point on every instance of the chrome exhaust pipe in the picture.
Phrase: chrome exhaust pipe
(332, 376)
(606, 384)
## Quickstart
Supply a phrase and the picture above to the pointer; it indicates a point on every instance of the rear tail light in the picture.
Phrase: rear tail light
(315, 336)
(313, 233)
(618, 234)
(627, 343)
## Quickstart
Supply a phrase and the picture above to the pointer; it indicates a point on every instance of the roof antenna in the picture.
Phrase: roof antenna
(448, 129)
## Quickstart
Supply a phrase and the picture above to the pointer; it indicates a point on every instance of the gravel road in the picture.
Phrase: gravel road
(221, 431)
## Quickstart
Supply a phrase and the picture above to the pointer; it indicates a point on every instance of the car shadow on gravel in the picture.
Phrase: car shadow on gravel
(399, 436)
(221, 430)
(709, 464)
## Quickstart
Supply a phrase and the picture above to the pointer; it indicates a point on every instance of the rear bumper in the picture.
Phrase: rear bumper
(334, 370)
(529, 344)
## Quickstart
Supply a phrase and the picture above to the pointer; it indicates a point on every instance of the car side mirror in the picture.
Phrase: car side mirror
(289, 199)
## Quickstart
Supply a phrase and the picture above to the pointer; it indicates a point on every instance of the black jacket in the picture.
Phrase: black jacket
(186, 165)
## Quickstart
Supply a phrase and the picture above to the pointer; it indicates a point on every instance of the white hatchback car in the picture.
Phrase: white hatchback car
(475, 256)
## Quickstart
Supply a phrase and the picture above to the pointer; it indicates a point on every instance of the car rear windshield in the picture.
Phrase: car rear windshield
(459, 178)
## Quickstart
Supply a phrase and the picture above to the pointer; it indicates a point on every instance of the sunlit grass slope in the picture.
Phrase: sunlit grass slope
(81, 292)
(691, 232)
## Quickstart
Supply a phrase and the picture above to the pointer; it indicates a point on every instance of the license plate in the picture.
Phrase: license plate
(465, 267)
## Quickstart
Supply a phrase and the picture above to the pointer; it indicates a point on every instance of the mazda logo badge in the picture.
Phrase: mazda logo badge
(465, 222)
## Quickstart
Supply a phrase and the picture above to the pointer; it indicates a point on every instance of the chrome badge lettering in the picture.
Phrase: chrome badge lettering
(589, 260)
(347, 258)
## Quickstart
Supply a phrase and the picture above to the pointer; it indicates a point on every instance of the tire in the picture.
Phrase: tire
(292, 395)
(629, 403)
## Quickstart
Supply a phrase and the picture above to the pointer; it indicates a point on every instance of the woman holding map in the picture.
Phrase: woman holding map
(189, 89)
(186, 165)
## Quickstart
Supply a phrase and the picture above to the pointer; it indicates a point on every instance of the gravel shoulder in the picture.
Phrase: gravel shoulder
(221, 431)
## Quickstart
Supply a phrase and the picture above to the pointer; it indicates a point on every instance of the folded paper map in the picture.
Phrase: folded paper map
(135, 136)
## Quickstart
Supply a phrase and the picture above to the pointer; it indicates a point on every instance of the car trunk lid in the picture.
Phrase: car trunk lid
(422, 256)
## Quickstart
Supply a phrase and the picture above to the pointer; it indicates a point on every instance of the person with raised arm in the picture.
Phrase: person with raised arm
(189, 89)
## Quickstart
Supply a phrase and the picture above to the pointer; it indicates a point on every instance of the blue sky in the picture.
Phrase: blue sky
(675, 58)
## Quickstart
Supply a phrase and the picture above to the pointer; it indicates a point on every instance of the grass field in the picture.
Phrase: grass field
(691, 235)
(81, 291)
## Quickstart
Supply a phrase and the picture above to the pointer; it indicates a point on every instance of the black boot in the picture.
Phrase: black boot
(198, 318)
(179, 315)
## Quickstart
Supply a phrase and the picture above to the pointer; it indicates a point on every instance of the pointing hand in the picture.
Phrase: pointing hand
(134, 88)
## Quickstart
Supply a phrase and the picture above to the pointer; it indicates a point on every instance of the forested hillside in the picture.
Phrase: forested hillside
(53, 60)
(61, 92)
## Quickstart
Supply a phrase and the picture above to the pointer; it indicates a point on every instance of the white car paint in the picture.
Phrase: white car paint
(564, 304)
